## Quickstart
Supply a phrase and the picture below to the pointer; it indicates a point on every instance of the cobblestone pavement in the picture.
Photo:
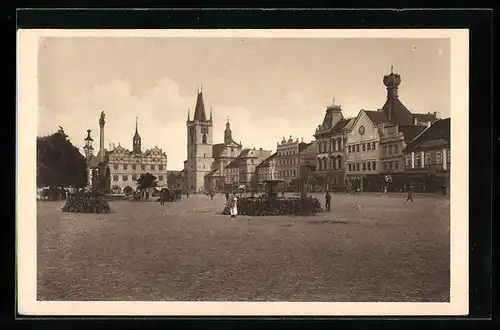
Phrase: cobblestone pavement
(383, 250)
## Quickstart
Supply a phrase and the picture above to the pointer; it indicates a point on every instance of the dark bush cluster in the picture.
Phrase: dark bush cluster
(281, 206)
(87, 202)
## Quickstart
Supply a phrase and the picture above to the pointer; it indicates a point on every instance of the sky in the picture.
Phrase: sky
(267, 88)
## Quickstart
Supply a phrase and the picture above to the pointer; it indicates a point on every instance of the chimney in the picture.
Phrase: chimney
(415, 120)
(437, 115)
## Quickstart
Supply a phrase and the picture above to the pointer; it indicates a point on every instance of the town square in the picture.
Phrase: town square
(185, 169)
(187, 251)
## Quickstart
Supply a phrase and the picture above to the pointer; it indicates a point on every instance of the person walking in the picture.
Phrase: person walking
(328, 199)
(227, 196)
(233, 206)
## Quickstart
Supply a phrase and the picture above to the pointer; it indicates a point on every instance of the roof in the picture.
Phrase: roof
(377, 117)
(265, 162)
(410, 131)
(303, 146)
(199, 110)
(437, 134)
(396, 112)
(309, 151)
(341, 124)
(425, 117)
(235, 162)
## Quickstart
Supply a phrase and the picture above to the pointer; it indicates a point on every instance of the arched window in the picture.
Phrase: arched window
(204, 139)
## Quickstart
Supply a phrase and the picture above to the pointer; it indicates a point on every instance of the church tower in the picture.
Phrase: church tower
(199, 146)
(136, 141)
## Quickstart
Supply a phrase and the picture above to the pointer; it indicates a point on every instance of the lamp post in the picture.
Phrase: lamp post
(89, 152)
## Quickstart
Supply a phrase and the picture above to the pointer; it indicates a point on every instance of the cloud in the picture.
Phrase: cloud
(162, 113)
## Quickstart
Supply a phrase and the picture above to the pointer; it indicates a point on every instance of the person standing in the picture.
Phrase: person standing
(233, 206)
(328, 199)
(410, 194)
(227, 197)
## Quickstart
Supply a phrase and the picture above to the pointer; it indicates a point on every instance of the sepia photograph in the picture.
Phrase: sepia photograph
(243, 172)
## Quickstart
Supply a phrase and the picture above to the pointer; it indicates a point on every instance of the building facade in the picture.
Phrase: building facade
(331, 137)
(125, 166)
(199, 147)
(376, 139)
(428, 158)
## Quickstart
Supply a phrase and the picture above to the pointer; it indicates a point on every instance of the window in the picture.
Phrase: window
(115, 177)
(439, 157)
(427, 158)
(160, 177)
(204, 139)
(364, 146)
(395, 149)
(396, 165)
(374, 165)
(160, 167)
(364, 166)
(357, 148)
(125, 166)
(252, 161)
(133, 166)
(417, 160)
(386, 167)
(389, 150)
(204, 155)
(125, 178)
(408, 161)
(448, 155)
(134, 177)
(143, 167)
(115, 166)
(374, 146)
(350, 167)
(369, 166)
(349, 149)
(369, 146)
(357, 167)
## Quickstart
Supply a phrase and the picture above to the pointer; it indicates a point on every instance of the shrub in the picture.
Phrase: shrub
(285, 206)
(88, 202)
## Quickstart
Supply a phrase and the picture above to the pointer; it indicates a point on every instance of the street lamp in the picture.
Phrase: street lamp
(89, 152)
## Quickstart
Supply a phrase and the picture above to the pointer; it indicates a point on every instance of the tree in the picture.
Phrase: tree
(146, 181)
(59, 163)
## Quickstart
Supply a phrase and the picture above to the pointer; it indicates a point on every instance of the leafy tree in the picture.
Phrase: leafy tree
(59, 163)
(146, 181)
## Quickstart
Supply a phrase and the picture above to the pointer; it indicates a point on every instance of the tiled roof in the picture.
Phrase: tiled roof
(438, 131)
(396, 112)
(234, 163)
(265, 162)
(410, 131)
(377, 117)
(303, 146)
(341, 124)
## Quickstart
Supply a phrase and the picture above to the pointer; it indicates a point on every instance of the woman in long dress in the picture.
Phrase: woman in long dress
(233, 206)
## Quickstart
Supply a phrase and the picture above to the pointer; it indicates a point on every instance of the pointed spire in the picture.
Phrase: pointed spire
(210, 113)
(189, 113)
(392, 69)
(136, 135)
(199, 110)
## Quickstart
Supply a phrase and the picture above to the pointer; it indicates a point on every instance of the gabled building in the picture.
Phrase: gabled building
(287, 160)
(428, 157)
(123, 166)
(331, 139)
(376, 140)
(263, 170)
